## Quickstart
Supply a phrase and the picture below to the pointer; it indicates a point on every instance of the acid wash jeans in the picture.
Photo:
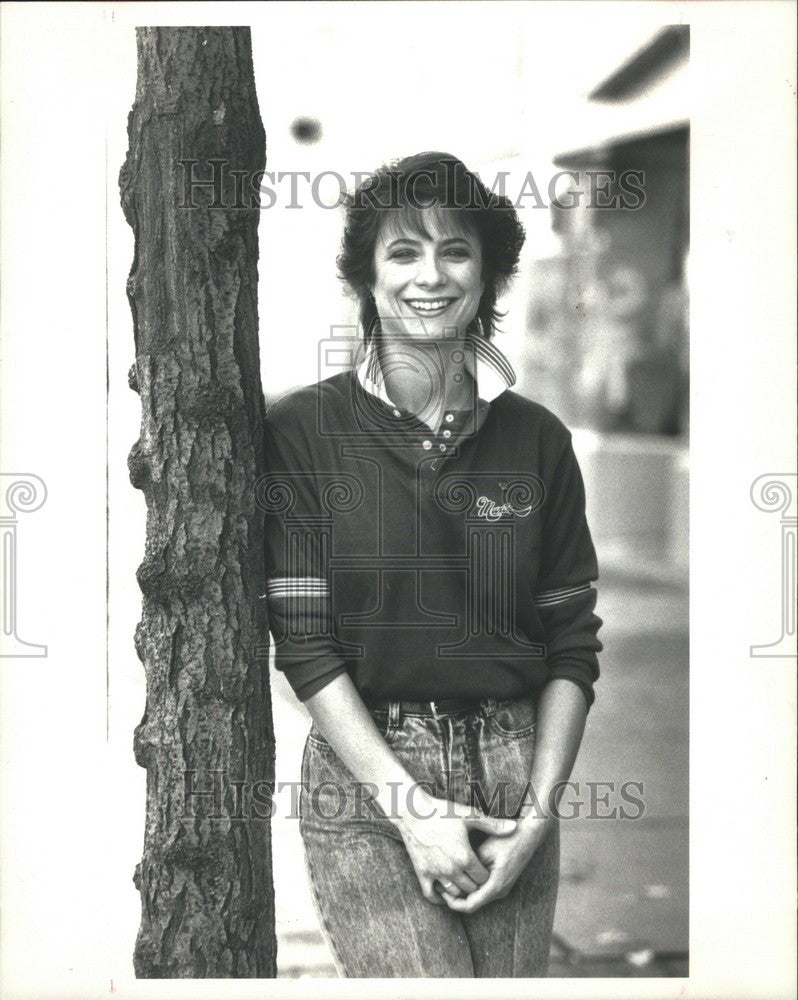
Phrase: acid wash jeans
(367, 897)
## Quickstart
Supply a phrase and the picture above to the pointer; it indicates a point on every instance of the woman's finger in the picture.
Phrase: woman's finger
(446, 886)
(429, 892)
(464, 882)
(492, 825)
(448, 898)
(484, 894)
(477, 871)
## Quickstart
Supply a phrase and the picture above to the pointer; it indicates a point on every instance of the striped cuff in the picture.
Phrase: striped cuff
(296, 586)
(548, 598)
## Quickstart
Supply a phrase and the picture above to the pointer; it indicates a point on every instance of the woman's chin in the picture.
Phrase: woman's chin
(427, 330)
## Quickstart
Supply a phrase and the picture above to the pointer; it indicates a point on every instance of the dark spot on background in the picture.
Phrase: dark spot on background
(306, 130)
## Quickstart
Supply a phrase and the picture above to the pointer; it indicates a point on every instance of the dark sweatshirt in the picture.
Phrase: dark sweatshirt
(455, 564)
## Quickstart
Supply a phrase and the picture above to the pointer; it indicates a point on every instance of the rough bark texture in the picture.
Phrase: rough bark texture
(205, 876)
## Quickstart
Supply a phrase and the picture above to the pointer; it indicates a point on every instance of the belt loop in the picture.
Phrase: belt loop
(488, 706)
(394, 713)
(435, 715)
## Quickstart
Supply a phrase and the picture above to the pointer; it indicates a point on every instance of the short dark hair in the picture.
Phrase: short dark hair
(410, 186)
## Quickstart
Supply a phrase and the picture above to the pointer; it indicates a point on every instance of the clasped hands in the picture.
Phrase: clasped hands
(452, 872)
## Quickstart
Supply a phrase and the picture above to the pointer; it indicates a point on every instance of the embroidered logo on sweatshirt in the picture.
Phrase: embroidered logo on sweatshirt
(493, 511)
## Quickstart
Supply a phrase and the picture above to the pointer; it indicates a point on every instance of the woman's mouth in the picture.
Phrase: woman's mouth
(430, 307)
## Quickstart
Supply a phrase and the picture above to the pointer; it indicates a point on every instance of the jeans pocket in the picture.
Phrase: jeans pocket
(514, 720)
(316, 738)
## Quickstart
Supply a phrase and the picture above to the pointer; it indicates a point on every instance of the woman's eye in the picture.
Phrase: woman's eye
(407, 254)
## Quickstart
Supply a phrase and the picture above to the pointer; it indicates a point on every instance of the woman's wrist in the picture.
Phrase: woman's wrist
(404, 800)
(532, 818)
(541, 802)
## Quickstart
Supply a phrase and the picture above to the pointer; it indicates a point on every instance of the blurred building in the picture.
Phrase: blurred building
(608, 312)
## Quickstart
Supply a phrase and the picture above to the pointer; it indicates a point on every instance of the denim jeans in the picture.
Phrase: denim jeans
(367, 896)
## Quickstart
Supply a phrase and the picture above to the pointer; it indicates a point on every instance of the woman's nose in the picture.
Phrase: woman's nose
(429, 271)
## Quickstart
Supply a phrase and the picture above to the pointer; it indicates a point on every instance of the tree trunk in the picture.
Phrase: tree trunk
(205, 875)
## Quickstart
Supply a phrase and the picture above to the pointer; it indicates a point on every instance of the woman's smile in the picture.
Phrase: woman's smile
(430, 307)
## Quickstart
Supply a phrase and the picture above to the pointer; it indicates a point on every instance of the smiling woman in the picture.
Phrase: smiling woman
(429, 574)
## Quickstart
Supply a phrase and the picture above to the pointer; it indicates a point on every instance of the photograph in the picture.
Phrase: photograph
(423, 374)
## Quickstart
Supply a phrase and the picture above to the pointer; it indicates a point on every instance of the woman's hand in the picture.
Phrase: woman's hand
(561, 721)
(435, 831)
(436, 838)
(505, 857)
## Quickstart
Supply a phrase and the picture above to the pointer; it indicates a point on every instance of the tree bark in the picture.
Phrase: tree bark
(205, 875)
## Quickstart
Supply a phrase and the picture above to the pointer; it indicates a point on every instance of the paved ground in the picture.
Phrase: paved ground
(623, 902)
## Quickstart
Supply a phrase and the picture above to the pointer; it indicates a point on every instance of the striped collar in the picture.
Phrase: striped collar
(487, 365)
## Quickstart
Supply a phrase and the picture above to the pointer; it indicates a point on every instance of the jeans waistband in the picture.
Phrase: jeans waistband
(440, 708)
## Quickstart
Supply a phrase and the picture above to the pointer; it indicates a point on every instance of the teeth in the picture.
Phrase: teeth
(426, 306)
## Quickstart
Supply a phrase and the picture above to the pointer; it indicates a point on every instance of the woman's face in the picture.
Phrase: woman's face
(427, 287)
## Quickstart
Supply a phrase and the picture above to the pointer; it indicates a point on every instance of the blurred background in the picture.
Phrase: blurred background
(597, 330)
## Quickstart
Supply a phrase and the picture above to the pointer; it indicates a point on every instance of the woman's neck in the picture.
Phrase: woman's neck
(427, 377)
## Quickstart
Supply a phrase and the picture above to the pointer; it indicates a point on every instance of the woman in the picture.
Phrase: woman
(429, 570)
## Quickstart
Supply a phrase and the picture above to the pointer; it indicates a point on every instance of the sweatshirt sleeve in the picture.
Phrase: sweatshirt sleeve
(296, 554)
(564, 597)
